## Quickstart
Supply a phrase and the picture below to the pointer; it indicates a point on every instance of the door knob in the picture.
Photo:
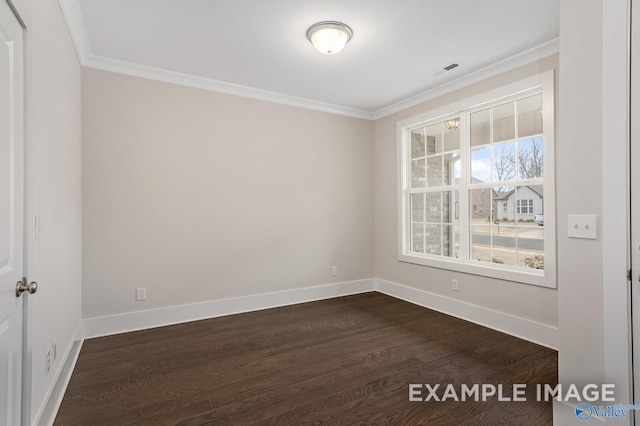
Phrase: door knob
(22, 286)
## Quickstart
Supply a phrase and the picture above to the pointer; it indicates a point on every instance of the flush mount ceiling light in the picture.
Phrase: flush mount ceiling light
(329, 37)
(452, 124)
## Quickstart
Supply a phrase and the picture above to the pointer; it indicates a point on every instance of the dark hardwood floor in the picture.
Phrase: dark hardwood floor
(348, 360)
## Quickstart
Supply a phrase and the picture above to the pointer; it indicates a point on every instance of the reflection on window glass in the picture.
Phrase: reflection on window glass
(451, 168)
(434, 171)
(529, 116)
(417, 143)
(480, 130)
(504, 122)
(418, 177)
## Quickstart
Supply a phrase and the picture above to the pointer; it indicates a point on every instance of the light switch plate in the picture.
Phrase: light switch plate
(583, 226)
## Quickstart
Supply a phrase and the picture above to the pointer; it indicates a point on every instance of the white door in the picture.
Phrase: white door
(11, 213)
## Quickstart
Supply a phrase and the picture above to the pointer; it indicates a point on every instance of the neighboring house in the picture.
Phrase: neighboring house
(522, 204)
(480, 200)
(481, 205)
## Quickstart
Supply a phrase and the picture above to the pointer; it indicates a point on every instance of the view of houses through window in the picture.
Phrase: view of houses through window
(503, 186)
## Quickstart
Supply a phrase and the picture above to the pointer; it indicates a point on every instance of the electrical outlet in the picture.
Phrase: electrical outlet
(334, 270)
(54, 346)
(454, 285)
(48, 360)
(141, 294)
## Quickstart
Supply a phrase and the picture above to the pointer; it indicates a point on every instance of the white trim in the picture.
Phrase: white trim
(543, 82)
(73, 16)
(49, 409)
(158, 74)
(75, 24)
(532, 331)
(616, 244)
(520, 59)
(140, 320)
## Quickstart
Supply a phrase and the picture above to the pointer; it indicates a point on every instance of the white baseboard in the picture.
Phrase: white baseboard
(47, 413)
(532, 331)
(132, 321)
(115, 324)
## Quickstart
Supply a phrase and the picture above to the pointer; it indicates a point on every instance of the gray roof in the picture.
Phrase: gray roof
(538, 189)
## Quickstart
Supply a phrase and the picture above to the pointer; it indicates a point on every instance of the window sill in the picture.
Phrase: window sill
(484, 269)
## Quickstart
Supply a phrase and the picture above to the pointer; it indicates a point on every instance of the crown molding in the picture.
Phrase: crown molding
(75, 23)
(77, 30)
(128, 68)
(520, 59)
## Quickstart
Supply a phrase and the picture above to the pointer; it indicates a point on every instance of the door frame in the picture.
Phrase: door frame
(19, 11)
(618, 115)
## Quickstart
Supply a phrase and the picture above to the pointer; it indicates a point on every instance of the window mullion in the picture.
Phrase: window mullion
(465, 169)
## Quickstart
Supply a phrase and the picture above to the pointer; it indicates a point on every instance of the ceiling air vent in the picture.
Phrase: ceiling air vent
(450, 66)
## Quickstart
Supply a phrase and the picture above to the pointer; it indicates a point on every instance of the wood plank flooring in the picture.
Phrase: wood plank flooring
(348, 360)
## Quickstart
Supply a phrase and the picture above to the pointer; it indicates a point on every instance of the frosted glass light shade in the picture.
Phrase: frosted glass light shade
(329, 37)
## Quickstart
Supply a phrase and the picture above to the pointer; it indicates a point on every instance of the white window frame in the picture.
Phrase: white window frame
(543, 83)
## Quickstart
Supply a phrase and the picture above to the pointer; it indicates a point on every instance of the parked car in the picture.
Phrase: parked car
(539, 219)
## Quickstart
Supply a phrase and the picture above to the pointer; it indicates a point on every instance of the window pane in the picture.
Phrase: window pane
(504, 162)
(480, 242)
(450, 241)
(451, 139)
(433, 239)
(503, 238)
(481, 165)
(418, 178)
(417, 143)
(451, 168)
(434, 139)
(504, 122)
(434, 171)
(480, 133)
(531, 247)
(450, 201)
(531, 158)
(434, 207)
(480, 202)
(417, 238)
(417, 207)
(529, 116)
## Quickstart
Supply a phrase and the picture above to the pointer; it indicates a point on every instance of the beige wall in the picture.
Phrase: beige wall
(580, 267)
(53, 174)
(200, 196)
(526, 301)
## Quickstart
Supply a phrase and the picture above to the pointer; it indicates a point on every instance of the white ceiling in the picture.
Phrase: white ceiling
(237, 46)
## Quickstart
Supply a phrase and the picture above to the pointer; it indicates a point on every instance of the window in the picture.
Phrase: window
(525, 206)
(501, 153)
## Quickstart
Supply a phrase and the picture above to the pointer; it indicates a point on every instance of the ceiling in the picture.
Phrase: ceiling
(259, 49)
